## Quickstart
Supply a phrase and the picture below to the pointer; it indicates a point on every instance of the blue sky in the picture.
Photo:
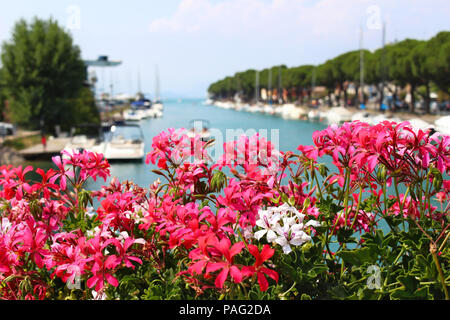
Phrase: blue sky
(196, 42)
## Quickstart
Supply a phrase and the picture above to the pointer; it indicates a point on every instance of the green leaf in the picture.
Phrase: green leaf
(409, 282)
(218, 180)
(358, 257)
(338, 292)
(420, 294)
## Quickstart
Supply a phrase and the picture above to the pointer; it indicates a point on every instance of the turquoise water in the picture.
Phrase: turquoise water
(177, 114)
(292, 133)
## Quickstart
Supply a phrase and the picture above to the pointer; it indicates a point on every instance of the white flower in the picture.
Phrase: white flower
(284, 226)
(313, 223)
(97, 296)
(291, 235)
(123, 235)
(271, 236)
(5, 225)
(74, 281)
(289, 221)
(268, 220)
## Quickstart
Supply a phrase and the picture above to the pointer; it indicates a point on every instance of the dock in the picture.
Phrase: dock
(54, 147)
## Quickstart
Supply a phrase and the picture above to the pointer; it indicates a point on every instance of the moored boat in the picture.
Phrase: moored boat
(124, 142)
(443, 125)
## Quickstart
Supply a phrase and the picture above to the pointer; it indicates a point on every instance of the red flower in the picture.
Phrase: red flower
(227, 267)
(258, 268)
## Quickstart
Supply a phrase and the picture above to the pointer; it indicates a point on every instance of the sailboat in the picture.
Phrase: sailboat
(257, 106)
(157, 104)
(362, 105)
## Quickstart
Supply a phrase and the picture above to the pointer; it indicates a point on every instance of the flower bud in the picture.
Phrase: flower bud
(381, 174)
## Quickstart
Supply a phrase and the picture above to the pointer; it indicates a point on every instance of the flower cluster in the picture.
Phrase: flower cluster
(34, 237)
(373, 158)
(220, 235)
(284, 226)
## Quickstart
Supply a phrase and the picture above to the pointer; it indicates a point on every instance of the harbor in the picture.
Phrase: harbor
(339, 115)
(143, 113)
(225, 150)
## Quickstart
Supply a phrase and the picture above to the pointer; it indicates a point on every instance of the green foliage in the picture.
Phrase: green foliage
(2, 98)
(406, 62)
(22, 142)
(82, 109)
(42, 71)
(438, 61)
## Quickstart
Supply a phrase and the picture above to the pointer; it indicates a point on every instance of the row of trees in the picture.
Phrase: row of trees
(42, 78)
(414, 64)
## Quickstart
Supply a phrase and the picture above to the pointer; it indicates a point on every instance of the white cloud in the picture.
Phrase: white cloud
(244, 17)
(296, 18)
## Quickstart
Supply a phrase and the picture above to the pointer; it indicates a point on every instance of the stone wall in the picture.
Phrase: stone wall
(9, 156)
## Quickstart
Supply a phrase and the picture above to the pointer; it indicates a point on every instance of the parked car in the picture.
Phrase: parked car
(7, 129)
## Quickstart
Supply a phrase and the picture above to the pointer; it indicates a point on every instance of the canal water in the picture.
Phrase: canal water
(179, 114)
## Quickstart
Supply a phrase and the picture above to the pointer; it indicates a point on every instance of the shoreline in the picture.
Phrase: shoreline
(304, 112)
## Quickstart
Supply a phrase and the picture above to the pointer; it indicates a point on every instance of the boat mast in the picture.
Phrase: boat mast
(270, 86)
(361, 67)
(257, 86)
(313, 82)
(111, 85)
(383, 64)
(238, 87)
(280, 96)
(139, 81)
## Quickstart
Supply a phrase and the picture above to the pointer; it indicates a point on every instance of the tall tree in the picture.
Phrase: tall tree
(342, 71)
(438, 60)
(42, 69)
(401, 67)
(325, 77)
(419, 58)
(419, 64)
(300, 79)
(2, 97)
(351, 67)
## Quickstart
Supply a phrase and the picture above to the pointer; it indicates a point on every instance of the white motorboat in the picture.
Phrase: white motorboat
(268, 109)
(255, 108)
(86, 137)
(239, 106)
(290, 111)
(153, 113)
(315, 115)
(417, 123)
(278, 110)
(124, 142)
(208, 102)
(135, 115)
(443, 125)
(381, 118)
(338, 115)
(362, 117)
(158, 105)
(224, 104)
